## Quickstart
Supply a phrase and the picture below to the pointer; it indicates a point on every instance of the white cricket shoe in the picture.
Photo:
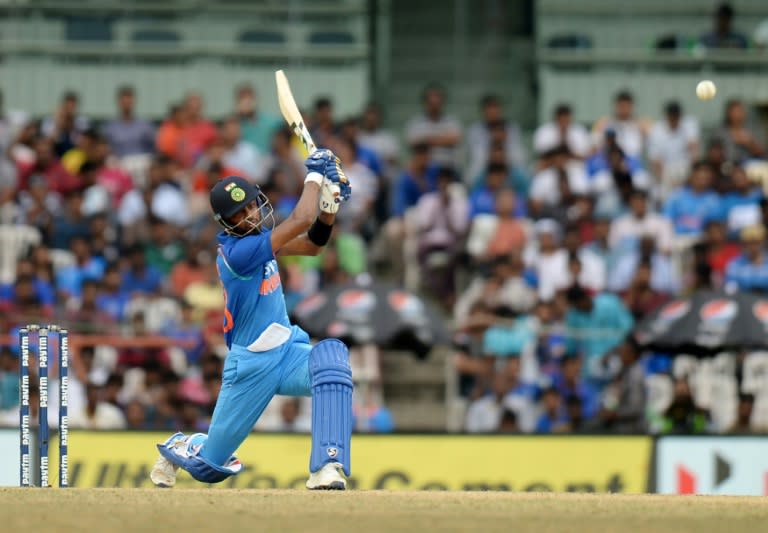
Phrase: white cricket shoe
(329, 477)
(163, 474)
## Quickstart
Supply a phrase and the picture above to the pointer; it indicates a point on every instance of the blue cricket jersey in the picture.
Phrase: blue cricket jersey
(252, 289)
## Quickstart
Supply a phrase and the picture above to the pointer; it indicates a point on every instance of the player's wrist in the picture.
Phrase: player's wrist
(314, 177)
(320, 232)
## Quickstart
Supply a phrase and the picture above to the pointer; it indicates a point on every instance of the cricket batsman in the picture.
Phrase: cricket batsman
(267, 355)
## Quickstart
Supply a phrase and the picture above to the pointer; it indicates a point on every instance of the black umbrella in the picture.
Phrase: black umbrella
(377, 313)
(707, 322)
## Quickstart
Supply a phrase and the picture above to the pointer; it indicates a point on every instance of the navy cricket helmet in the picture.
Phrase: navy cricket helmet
(233, 194)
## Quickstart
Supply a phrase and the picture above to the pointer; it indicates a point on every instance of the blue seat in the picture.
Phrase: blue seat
(88, 29)
(261, 37)
(331, 37)
(570, 40)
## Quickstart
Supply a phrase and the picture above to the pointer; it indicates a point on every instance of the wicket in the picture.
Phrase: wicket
(43, 338)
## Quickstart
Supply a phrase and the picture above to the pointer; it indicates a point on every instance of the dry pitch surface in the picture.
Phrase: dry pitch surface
(218, 511)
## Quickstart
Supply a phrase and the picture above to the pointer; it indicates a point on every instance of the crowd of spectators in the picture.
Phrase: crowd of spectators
(542, 256)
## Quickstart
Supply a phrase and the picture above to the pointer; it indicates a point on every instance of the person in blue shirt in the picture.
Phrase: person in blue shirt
(691, 207)
(741, 205)
(419, 177)
(267, 354)
(140, 277)
(554, 418)
(749, 271)
(595, 325)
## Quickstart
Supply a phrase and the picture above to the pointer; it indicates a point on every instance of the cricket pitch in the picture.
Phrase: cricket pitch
(122, 510)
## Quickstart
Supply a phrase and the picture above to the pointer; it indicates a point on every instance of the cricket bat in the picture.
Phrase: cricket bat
(291, 113)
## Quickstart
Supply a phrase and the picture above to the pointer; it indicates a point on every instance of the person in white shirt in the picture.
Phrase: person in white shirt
(562, 131)
(383, 142)
(549, 260)
(481, 133)
(240, 154)
(630, 131)
(555, 185)
(96, 414)
(673, 144)
(627, 230)
(433, 127)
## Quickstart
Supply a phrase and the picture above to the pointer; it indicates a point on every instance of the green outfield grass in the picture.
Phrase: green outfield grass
(118, 510)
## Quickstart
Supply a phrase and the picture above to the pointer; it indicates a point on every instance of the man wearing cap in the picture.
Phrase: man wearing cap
(267, 354)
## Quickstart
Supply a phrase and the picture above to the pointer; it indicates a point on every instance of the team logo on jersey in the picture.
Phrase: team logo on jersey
(271, 281)
(237, 194)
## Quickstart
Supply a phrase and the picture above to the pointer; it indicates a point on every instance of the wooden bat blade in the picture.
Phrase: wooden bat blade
(290, 111)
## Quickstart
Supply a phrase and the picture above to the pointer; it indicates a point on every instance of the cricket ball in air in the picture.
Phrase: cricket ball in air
(706, 90)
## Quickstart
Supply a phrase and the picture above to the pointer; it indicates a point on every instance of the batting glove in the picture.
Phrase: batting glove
(335, 174)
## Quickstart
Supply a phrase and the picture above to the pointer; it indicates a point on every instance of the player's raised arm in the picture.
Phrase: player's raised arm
(333, 190)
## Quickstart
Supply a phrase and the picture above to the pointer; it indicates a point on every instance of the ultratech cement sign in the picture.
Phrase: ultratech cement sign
(392, 462)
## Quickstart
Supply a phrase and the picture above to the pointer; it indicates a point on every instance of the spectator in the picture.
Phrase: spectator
(570, 384)
(720, 251)
(323, 124)
(591, 270)
(69, 279)
(640, 297)
(356, 216)
(562, 131)
(190, 269)
(47, 164)
(127, 134)
(721, 167)
(554, 418)
(664, 278)
(550, 261)
(241, 154)
(285, 159)
(624, 399)
(554, 187)
(506, 290)
(743, 423)
(440, 132)
(170, 139)
(64, 127)
(627, 230)
(500, 233)
(673, 144)
(111, 300)
(257, 126)
(507, 393)
(722, 35)
(613, 174)
(480, 134)
(139, 276)
(164, 249)
(199, 132)
(630, 130)
(691, 206)
(683, 416)
(383, 142)
(136, 416)
(443, 217)
(741, 205)
(740, 140)
(596, 325)
(96, 414)
(749, 271)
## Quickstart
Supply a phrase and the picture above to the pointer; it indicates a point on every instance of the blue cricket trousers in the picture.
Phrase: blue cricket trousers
(249, 381)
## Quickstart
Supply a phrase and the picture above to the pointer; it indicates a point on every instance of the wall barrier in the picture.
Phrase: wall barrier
(392, 462)
(734, 465)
